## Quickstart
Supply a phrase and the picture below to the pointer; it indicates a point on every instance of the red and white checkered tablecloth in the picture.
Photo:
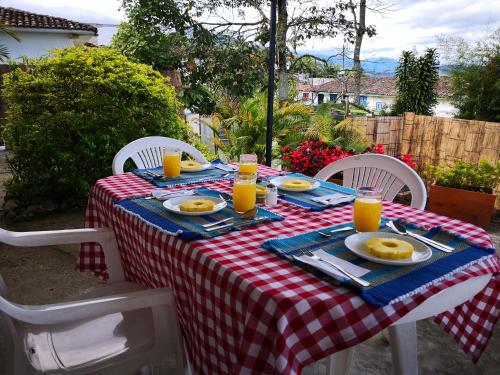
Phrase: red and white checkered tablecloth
(244, 310)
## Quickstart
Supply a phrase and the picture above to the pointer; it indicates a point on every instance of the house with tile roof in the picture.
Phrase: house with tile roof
(377, 93)
(40, 33)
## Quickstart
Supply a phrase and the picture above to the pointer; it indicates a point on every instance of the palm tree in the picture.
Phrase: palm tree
(242, 129)
(4, 52)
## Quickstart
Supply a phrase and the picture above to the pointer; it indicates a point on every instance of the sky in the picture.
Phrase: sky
(409, 24)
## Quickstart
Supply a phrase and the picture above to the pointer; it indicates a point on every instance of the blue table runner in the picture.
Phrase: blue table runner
(389, 283)
(190, 227)
(185, 178)
(303, 199)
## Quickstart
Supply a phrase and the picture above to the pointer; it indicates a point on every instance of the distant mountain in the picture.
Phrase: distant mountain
(375, 66)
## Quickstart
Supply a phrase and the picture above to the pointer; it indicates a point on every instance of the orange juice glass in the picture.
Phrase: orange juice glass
(367, 209)
(244, 191)
(171, 163)
(248, 163)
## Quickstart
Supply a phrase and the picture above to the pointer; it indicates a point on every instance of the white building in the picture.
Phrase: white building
(40, 33)
(377, 93)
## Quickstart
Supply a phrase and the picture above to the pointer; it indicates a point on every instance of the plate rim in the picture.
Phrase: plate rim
(187, 213)
(392, 262)
(316, 184)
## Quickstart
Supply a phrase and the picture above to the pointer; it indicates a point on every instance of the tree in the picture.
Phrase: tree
(297, 21)
(165, 35)
(475, 75)
(417, 78)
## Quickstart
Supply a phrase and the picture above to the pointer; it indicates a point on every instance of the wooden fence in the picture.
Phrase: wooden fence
(436, 140)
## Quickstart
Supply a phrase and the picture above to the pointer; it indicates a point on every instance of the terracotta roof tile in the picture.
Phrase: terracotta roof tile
(376, 86)
(22, 19)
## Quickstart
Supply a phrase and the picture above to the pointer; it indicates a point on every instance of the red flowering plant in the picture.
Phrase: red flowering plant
(311, 156)
(405, 158)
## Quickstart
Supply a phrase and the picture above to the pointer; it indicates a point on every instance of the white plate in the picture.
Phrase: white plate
(201, 168)
(172, 205)
(356, 243)
(278, 181)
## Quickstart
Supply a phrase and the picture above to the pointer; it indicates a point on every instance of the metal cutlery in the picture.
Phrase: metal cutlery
(215, 223)
(247, 215)
(354, 278)
(330, 233)
(237, 224)
(401, 229)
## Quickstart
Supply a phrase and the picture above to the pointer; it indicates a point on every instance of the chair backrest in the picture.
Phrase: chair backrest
(381, 171)
(148, 152)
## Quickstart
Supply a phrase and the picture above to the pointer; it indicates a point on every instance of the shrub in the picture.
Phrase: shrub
(70, 112)
(481, 177)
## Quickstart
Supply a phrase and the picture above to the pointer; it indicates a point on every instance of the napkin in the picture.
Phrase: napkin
(333, 199)
(163, 195)
(329, 270)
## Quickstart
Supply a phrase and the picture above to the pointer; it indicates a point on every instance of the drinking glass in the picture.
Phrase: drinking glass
(248, 163)
(367, 209)
(171, 163)
(244, 191)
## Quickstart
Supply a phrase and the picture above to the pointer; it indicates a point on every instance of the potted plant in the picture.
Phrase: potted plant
(464, 190)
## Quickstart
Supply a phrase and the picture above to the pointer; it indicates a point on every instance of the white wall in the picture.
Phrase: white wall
(445, 109)
(37, 44)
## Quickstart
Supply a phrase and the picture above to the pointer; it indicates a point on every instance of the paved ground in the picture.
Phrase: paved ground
(43, 275)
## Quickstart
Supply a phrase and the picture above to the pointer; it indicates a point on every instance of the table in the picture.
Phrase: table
(243, 310)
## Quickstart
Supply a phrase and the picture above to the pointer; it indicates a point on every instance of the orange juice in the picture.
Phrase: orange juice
(244, 195)
(248, 168)
(171, 164)
(367, 214)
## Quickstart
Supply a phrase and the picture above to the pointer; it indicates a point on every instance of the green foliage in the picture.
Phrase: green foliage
(206, 60)
(476, 90)
(241, 128)
(5, 30)
(475, 75)
(349, 136)
(482, 177)
(70, 112)
(314, 66)
(417, 78)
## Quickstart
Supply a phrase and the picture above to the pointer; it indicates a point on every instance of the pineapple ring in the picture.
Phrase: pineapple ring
(389, 248)
(190, 164)
(197, 205)
(260, 190)
(296, 184)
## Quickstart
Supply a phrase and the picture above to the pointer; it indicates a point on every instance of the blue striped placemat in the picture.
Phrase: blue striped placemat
(191, 227)
(389, 283)
(303, 199)
(185, 178)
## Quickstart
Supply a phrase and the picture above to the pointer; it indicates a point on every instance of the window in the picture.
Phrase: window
(379, 106)
(363, 100)
(305, 96)
(333, 98)
(321, 98)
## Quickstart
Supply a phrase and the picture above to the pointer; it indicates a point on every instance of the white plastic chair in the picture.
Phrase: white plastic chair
(117, 329)
(148, 152)
(382, 171)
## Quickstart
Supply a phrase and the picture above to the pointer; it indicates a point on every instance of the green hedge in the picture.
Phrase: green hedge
(70, 112)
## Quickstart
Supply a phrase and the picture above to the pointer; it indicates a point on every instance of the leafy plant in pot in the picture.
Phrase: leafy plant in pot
(464, 190)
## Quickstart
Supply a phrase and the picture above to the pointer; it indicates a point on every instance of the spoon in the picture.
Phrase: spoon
(401, 229)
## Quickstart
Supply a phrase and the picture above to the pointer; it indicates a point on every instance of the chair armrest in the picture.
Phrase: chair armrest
(88, 308)
(104, 236)
(53, 237)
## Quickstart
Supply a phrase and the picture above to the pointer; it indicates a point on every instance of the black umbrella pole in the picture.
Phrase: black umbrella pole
(270, 86)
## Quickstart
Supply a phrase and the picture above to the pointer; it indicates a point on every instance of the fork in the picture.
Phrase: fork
(356, 279)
